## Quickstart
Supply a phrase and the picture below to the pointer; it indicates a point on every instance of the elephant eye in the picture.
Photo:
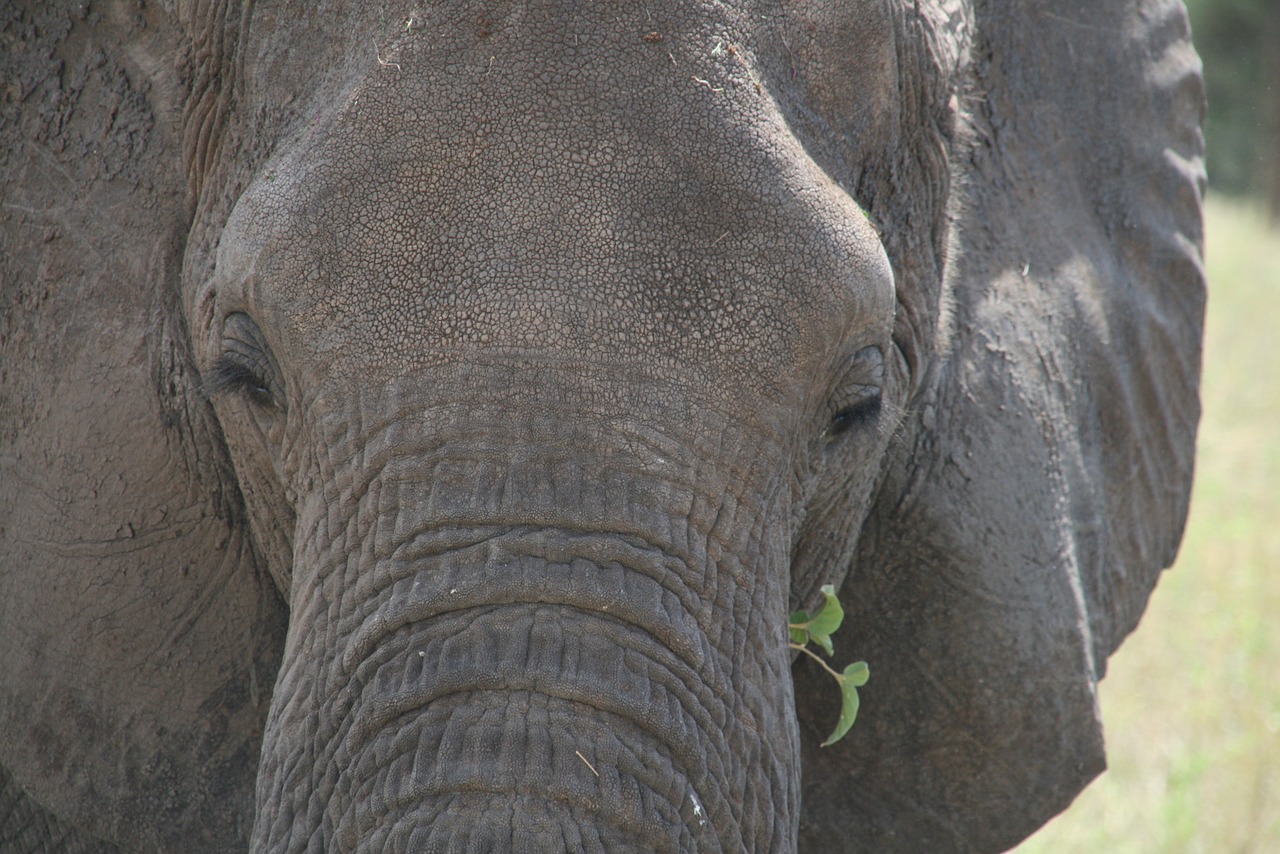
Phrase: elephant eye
(245, 366)
(232, 373)
(858, 399)
(864, 411)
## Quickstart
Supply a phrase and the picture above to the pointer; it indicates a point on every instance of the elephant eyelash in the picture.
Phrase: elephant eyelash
(858, 400)
(863, 412)
(231, 373)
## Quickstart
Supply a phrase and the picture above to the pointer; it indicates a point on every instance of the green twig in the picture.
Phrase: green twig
(815, 657)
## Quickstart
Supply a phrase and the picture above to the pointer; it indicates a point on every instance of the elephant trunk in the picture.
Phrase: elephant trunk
(530, 689)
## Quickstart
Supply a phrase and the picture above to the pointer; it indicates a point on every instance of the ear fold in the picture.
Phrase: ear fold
(138, 645)
(1043, 476)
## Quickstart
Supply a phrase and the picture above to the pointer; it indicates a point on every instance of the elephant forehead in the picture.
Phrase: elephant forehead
(455, 203)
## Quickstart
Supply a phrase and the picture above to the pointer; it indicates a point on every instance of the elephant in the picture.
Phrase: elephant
(417, 421)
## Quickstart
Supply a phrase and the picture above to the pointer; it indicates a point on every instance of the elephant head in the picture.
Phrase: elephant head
(418, 421)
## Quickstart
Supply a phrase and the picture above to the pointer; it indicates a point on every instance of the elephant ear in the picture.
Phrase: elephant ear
(1042, 480)
(138, 645)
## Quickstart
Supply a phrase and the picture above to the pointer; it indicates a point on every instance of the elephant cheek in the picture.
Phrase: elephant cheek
(532, 691)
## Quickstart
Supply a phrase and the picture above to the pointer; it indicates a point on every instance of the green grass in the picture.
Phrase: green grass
(1191, 701)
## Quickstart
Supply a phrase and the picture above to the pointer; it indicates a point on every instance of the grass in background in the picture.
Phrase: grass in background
(1191, 701)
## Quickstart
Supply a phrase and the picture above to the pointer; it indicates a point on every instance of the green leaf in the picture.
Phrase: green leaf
(855, 676)
(799, 627)
(819, 628)
(828, 618)
(858, 673)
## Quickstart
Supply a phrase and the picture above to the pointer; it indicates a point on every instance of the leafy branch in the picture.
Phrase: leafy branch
(818, 629)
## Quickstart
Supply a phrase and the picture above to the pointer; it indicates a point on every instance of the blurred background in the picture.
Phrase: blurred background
(1191, 702)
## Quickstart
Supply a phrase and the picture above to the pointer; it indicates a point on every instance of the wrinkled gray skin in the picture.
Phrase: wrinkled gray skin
(416, 423)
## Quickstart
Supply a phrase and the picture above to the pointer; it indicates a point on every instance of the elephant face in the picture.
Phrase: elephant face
(565, 430)
(512, 370)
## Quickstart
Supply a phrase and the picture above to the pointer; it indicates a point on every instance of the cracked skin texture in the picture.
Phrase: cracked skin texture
(418, 421)
(591, 203)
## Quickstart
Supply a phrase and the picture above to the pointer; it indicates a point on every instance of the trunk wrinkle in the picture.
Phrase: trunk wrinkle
(613, 586)
(709, 711)
(629, 794)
